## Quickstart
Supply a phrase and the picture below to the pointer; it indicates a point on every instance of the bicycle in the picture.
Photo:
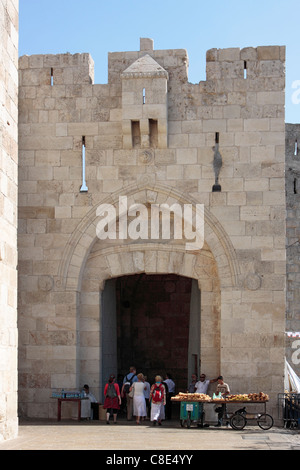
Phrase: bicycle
(239, 419)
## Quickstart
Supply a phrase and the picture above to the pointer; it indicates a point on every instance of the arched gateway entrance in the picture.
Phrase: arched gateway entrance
(161, 319)
(96, 270)
(153, 322)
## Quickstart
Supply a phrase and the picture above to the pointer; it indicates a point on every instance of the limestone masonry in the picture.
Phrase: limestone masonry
(8, 217)
(154, 137)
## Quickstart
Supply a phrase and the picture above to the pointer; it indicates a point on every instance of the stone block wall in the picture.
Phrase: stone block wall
(224, 149)
(8, 217)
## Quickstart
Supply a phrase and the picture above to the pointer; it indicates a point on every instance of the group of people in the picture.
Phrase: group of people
(142, 399)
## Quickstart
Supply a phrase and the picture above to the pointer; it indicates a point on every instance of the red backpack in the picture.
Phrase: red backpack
(157, 394)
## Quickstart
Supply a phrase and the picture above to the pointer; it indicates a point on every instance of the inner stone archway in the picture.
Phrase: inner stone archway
(98, 352)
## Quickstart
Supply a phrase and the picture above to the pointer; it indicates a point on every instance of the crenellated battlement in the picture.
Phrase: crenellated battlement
(221, 64)
(58, 69)
(247, 63)
(148, 89)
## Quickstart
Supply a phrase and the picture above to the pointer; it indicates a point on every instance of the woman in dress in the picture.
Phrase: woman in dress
(139, 402)
(158, 401)
(112, 400)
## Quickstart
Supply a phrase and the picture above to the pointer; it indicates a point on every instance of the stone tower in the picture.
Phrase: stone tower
(8, 217)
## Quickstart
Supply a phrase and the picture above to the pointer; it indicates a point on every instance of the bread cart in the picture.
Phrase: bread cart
(191, 411)
(191, 408)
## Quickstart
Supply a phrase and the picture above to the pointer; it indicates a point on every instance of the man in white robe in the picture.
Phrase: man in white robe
(86, 405)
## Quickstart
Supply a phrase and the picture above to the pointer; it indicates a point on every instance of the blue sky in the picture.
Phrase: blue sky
(101, 26)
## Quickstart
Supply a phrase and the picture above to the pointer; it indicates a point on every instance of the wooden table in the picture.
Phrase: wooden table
(59, 402)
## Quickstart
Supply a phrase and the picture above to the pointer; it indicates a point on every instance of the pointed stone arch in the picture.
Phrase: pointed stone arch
(84, 237)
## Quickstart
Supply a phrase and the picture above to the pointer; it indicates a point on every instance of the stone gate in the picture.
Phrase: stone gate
(155, 138)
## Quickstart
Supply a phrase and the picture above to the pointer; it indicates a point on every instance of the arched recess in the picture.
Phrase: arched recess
(215, 268)
(84, 237)
(107, 263)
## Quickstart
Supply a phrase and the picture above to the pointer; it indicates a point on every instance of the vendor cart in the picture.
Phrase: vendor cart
(191, 411)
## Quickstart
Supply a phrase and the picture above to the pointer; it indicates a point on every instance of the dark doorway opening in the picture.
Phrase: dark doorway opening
(153, 315)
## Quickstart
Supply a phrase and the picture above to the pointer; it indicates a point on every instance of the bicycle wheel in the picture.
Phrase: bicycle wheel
(238, 422)
(265, 421)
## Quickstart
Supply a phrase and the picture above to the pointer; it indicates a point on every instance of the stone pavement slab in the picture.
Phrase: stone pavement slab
(126, 436)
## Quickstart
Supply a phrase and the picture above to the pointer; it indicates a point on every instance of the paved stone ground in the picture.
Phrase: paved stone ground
(126, 436)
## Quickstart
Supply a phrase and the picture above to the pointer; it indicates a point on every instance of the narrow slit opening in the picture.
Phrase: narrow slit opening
(217, 138)
(136, 133)
(144, 95)
(153, 130)
(245, 69)
(51, 77)
(84, 187)
(296, 148)
(295, 186)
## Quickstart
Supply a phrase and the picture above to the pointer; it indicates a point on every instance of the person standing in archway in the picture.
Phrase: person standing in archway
(129, 379)
(170, 393)
(158, 401)
(139, 400)
(147, 395)
(112, 400)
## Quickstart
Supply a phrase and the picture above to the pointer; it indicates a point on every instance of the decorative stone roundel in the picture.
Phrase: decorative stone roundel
(45, 283)
(146, 157)
(253, 281)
